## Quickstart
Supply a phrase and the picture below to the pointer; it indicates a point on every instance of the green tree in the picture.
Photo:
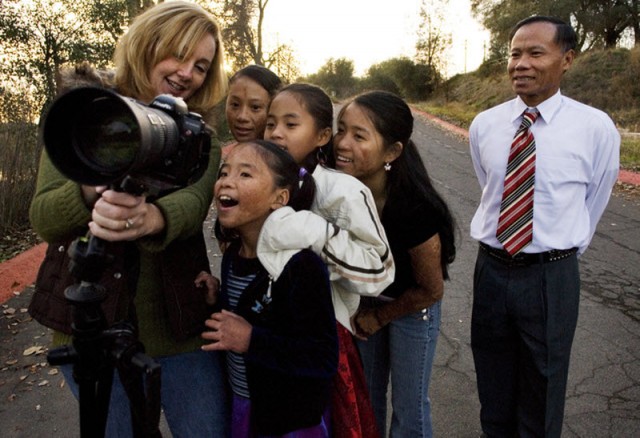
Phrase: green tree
(38, 37)
(499, 16)
(598, 23)
(634, 17)
(336, 77)
(243, 34)
(606, 20)
(133, 7)
(285, 64)
(433, 41)
(410, 80)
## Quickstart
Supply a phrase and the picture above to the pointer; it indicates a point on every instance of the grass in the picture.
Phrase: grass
(630, 153)
(457, 113)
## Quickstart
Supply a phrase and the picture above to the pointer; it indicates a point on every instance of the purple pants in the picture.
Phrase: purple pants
(241, 424)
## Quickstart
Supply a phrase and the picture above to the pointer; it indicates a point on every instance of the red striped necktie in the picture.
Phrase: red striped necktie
(515, 224)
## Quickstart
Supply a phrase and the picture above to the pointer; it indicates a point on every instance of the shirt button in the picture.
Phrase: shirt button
(424, 310)
(425, 318)
(117, 276)
(61, 248)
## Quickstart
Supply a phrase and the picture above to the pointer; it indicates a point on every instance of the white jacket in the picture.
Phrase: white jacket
(343, 227)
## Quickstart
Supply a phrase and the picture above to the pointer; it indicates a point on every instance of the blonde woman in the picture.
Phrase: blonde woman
(172, 48)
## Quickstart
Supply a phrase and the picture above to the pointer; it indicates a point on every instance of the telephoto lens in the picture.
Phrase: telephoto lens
(95, 136)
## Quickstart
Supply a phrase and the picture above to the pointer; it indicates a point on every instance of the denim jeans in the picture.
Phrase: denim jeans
(403, 350)
(193, 397)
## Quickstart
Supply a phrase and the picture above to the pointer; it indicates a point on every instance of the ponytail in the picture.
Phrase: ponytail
(303, 193)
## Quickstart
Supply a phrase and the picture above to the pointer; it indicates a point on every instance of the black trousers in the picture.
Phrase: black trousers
(522, 328)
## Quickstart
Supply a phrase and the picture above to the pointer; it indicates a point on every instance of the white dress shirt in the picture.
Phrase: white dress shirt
(577, 163)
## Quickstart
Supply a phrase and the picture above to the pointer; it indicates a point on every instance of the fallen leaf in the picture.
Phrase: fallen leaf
(43, 383)
(12, 361)
(9, 311)
(36, 349)
(53, 372)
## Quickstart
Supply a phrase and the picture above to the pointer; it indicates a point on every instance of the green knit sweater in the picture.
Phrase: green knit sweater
(58, 211)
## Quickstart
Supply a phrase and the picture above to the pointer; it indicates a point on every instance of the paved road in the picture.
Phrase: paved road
(604, 384)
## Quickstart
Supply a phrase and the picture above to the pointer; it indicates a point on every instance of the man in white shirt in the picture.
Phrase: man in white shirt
(526, 291)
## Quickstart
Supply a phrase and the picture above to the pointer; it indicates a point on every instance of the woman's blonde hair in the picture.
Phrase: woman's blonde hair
(168, 29)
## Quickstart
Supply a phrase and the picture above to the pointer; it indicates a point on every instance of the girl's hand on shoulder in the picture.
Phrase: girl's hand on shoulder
(119, 216)
(204, 279)
(90, 194)
(366, 323)
(228, 331)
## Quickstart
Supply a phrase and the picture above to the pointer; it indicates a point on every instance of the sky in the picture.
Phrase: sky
(368, 32)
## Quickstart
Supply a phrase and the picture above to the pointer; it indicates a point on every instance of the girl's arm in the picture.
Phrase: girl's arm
(427, 271)
(345, 231)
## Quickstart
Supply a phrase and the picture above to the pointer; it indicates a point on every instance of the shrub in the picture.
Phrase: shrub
(19, 155)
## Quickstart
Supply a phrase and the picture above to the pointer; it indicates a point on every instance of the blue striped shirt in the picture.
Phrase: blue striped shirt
(236, 368)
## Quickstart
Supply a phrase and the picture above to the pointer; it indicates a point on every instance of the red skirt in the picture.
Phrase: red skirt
(351, 411)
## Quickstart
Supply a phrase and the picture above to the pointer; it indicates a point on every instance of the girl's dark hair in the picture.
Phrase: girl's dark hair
(286, 174)
(393, 120)
(261, 76)
(318, 104)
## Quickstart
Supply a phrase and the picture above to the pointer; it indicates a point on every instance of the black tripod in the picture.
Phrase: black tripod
(97, 350)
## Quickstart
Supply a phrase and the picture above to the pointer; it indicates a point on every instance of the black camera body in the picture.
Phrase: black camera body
(95, 136)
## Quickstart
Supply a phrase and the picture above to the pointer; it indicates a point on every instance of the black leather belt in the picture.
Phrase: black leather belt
(526, 259)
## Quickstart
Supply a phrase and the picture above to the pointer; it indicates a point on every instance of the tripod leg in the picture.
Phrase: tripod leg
(95, 394)
(144, 399)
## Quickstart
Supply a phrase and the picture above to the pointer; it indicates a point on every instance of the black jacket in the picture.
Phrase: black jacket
(293, 353)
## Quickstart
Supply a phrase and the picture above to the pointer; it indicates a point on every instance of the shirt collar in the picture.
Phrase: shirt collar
(547, 109)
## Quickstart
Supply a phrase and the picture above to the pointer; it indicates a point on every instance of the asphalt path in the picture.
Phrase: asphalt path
(603, 398)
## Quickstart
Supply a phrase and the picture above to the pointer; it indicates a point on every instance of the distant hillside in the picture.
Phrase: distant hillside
(606, 79)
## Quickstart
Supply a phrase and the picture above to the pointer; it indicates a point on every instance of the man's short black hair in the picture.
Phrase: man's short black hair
(565, 35)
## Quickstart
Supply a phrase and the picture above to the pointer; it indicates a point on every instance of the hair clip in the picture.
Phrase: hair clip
(302, 172)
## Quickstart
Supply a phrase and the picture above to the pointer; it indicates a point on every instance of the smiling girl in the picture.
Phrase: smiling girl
(250, 92)
(398, 330)
(342, 227)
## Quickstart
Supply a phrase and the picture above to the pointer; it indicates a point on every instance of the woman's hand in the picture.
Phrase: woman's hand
(119, 216)
(228, 332)
(211, 283)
